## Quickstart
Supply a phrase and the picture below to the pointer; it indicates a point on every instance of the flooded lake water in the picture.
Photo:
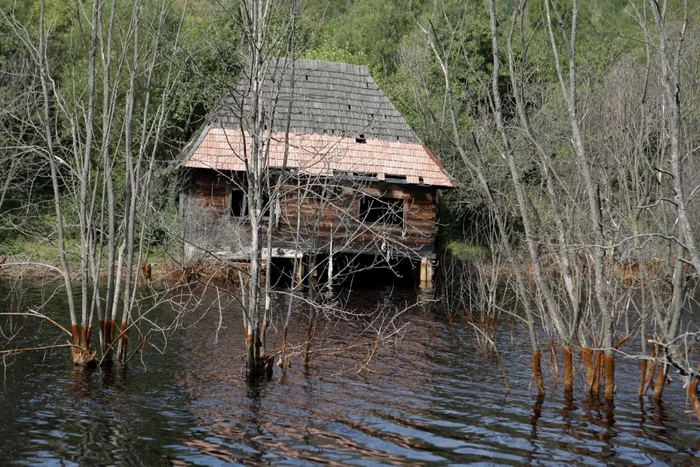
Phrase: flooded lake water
(431, 400)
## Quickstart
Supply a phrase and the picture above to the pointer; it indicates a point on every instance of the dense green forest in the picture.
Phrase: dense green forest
(572, 129)
(388, 37)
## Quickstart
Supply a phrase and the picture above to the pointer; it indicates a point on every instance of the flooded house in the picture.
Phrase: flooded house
(346, 179)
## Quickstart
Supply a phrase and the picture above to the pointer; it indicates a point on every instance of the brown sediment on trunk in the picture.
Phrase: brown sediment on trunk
(307, 346)
(660, 382)
(146, 273)
(284, 362)
(588, 361)
(621, 342)
(537, 372)
(108, 327)
(597, 373)
(488, 322)
(568, 369)
(75, 331)
(651, 368)
(108, 341)
(124, 332)
(642, 378)
(693, 393)
(87, 334)
(83, 357)
(123, 342)
(609, 357)
(82, 354)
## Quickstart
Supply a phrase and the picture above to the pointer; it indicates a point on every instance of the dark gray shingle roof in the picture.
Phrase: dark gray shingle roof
(327, 97)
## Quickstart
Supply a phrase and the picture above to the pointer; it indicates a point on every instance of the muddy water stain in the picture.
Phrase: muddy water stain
(431, 399)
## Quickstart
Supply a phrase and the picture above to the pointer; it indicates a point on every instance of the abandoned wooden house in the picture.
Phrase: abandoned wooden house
(345, 174)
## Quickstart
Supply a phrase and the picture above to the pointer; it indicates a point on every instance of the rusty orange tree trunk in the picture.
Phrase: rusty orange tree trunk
(81, 352)
(123, 342)
(651, 368)
(597, 373)
(588, 361)
(609, 358)
(660, 382)
(693, 393)
(568, 369)
(642, 378)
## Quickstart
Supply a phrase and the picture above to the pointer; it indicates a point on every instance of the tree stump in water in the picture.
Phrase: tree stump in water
(84, 357)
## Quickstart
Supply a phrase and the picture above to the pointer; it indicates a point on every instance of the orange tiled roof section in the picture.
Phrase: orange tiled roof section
(324, 155)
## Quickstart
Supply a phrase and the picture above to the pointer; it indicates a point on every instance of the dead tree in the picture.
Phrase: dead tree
(445, 54)
(87, 143)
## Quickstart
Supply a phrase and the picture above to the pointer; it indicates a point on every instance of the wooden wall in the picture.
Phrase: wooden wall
(328, 211)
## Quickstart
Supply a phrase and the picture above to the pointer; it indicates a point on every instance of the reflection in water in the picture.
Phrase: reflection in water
(536, 414)
(429, 400)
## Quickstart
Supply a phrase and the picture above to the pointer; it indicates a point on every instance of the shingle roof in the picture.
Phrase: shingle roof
(332, 104)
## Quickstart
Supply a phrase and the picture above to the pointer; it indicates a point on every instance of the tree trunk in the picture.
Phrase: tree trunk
(537, 372)
(569, 93)
(568, 370)
(257, 362)
(589, 362)
(597, 373)
(660, 382)
(642, 378)
(692, 392)
(503, 232)
(609, 357)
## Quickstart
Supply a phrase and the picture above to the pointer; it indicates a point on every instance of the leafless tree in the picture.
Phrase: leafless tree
(88, 144)
(446, 53)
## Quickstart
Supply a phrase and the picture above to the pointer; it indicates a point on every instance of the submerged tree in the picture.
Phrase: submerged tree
(103, 92)
(597, 198)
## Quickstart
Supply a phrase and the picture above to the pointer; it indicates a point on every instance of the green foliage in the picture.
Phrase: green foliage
(386, 36)
(37, 249)
(466, 251)
(207, 66)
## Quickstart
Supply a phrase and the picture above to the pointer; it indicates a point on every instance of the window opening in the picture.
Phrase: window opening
(238, 206)
(266, 207)
(395, 178)
(384, 210)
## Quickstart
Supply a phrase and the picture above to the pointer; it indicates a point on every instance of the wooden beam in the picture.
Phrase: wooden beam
(426, 273)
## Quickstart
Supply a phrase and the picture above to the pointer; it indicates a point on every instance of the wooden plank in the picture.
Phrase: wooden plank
(339, 218)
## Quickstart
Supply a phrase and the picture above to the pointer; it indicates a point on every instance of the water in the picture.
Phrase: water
(431, 400)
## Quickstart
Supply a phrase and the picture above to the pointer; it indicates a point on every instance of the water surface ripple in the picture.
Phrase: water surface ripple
(432, 400)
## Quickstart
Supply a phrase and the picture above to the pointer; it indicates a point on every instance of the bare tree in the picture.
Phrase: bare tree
(446, 54)
(87, 144)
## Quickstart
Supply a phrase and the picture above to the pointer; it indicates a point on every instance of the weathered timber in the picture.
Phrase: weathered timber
(309, 220)
(353, 173)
